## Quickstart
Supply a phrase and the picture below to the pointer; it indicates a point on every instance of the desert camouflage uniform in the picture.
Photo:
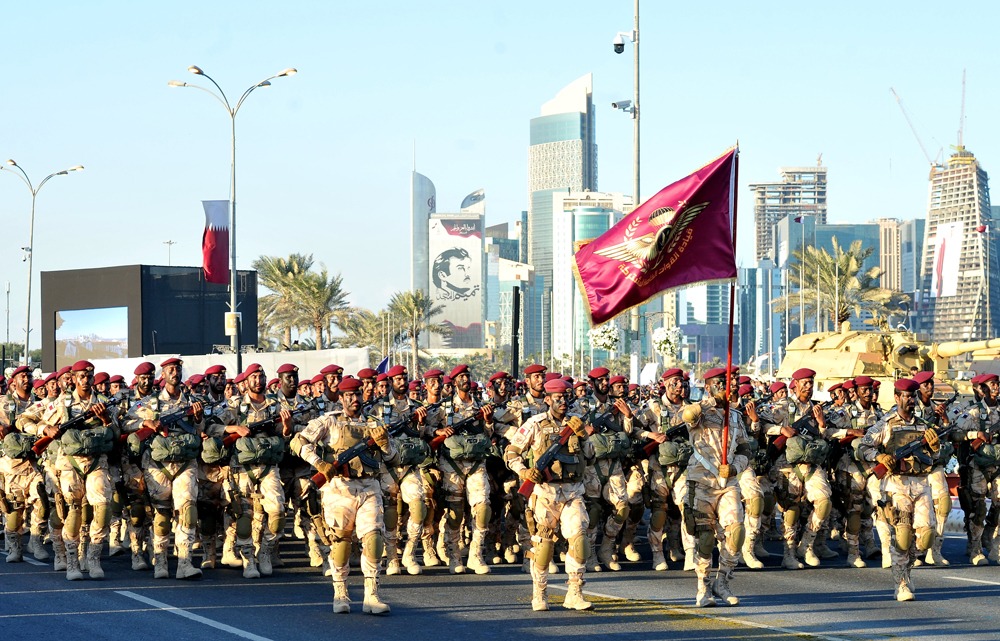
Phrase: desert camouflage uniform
(22, 485)
(982, 480)
(863, 419)
(938, 480)
(850, 477)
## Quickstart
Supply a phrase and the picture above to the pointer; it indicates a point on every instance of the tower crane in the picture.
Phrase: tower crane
(899, 101)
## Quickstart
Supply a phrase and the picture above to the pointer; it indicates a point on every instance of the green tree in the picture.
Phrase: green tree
(320, 302)
(276, 312)
(412, 311)
(364, 328)
(840, 285)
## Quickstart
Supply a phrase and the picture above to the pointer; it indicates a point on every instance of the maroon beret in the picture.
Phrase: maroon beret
(66, 370)
(633, 386)
(498, 376)
(381, 377)
(50, 377)
(101, 377)
(318, 379)
(556, 386)
(863, 381)
(288, 368)
(989, 377)
(567, 378)
(551, 376)
(714, 372)
(414, 385)
(598, 372)
(22, 368)
(446, 380)
(977, 379)
(744, 390)
(459, 369)
(906, 385)
(534, 369)
(580, 384)
(215, 369)
(329, 369)
(776, 387)
(350, 385)
(396, 370)
(196, 379)
(367, 373)
(670, 373)
(171, 361)
(617, 379)
(240, 377)
(876, 383)
(433, 373)
(744, 380)
(254, 367)
(923, 377)
(834, 386)
(805, 372)
(117, 378)
(83, 366)
(35, 384)
(848, 384)
(474, 385)
(142, 368)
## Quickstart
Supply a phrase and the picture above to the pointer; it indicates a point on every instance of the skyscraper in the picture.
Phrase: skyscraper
(889, 252)
(562, 155)
(801, 192)
(423, 203)
(960, 280)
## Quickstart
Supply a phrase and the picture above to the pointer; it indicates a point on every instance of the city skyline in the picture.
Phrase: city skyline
(337, 127)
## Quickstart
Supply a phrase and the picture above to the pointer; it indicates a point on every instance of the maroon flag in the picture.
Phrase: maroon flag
(680, 236)
(215, 241)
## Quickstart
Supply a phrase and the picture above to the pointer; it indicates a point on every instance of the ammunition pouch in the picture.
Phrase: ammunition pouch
(799, 450)
(214, 451)
(611, 445)
(260, 450)
(468, 447)
(674, 453)
(414, 451)
(17, 445)
(175, 449)
(93, 441)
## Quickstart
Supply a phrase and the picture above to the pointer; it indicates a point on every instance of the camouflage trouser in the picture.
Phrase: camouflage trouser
(753, 500)
(667, 484)
(464, 480)
(981, 489)
(406, 484)
(212, 500)
(354, 507)
(559, 507)
(794, 485)
(851, 484)
(875, 493)
(910, 512)
(515, 522)
(25, 491)
(604, 483)
(941, 496)
(262, 495)
(174, 487)
(94, 488)
(718, 513)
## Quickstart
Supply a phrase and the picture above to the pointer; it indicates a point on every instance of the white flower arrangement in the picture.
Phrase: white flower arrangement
(666, 341)
(606, 337)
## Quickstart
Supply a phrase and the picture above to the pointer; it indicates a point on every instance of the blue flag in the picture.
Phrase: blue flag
(383, 367)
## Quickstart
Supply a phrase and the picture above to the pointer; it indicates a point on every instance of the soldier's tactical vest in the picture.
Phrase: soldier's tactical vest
(468, 447)
(260, 450)
(414, 451)
(17, 445)
(569, 464)
(674, 453)
(611, 445)
(988, 455)
(214, 451)
(89, 442)
(800, 449)
(350, 435)
(175, 449)
(911, 465)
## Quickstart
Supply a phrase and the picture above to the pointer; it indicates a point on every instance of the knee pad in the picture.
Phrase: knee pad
(579, 548)
(276, 524)
(453, 513)
(161, 524)
(636, 511)
(373, 546)
(622, 512)
(341, 547)
(188, 516)
(418, 511)
(482, 513)
(55, 521)
(593, 512)
(704, 540)
(755, 506)
(925, 538)
(791, 515)
(853, 522)
(942, 506)
(88, 513)
(657, 519)
(116, 504)
(822, 508)
(543, 554)
(390, 514)
(979, 516)
(102, 515)
(43, 503)
(15, 520)
(735, 535)
(74, 521)
(137, 514)
(904, 536)
(769, 503)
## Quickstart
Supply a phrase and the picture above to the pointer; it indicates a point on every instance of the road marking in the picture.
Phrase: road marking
(693, 612)
(30, 561)
(197, 607)
(958, 578)
(187, 586)
(191, 616)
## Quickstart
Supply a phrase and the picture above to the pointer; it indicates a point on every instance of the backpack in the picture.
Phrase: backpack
(213, 451)
(468, 447)
(801, 450)
(260, 450)
(175, 449)
(611, 445)
(89, 442)
(17, 445)
(674, 453)
(988, 455)
(413, 451)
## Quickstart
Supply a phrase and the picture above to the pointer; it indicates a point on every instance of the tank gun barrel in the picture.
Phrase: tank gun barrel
(954, 348)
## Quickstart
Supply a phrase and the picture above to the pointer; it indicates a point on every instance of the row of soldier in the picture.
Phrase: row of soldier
(213, 456)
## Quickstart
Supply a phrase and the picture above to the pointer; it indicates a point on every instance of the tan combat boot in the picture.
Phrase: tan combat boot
(441, 548)
(820, 547)
(689, 565)
(659, 561)
(186, 569)
(372, 604)
(526, 563)
(341, 601)
(593, 565)
(454, 559)
(138, 559)
(15, 553)
(73, 572)
(749, 558)
(628, 543)
(160, 568)
(976, 556)
(81, 554)
(264, 564)
(250, 570)
(392, 566)
(430, 555)
(758, 547)
(574, 593)
(209, 553)
(605, 554)
(854, 559)
(656, 545)
(115, 539)
(807, 548)
(94, 561)
(721, 589)
(476, 562)
(315, 556)
(934, 556)
(59, 552)
(903, 590)
(704, 597)
(674, 541)
(37, 548)
(994, 549)
(410, 557)
(230, 557)
(539, 597)
(789, 561)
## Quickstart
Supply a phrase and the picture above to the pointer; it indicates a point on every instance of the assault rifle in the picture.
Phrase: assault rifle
(651, 446)
(174, 418)
(945, 404)
(359, 451)
(989, 432)
(913, 448)
(465, 423)
(268, 424)
(550, 456)
(72, 424)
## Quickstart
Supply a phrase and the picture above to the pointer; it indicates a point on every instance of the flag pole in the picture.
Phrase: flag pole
(732, 304)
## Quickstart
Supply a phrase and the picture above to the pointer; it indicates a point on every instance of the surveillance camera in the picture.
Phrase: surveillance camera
(622, 104)
(619, 44)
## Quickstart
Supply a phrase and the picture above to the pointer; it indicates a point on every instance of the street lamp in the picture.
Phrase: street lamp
(632, 108)
(28, 251)
(291, 71)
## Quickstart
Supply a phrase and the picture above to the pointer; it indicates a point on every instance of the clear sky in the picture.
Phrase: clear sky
(324, 157)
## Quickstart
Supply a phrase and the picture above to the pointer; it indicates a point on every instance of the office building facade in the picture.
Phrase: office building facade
(800, 192)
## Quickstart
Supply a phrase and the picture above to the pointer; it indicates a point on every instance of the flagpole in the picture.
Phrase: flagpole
(732, 305)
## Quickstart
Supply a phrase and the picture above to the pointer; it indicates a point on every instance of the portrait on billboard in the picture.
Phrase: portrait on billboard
(456, 280)
(452, 275)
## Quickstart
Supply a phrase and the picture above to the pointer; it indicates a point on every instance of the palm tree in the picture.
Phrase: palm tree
(276, 311)
(413, 310)
(844, 286)
(320, 301)
(364, 328)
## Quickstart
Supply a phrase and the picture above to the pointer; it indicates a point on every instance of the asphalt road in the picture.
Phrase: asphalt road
(831, 602)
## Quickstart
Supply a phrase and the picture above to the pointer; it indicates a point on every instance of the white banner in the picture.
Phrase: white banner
(947, 254)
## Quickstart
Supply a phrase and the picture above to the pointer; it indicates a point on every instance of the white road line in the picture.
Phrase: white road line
(184, 586)
(693, 612)
(958, 578)
(30, 561)
(166, 607)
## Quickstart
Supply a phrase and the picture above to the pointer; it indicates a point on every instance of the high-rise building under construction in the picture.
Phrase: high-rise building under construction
(959, 279)
(801, 192)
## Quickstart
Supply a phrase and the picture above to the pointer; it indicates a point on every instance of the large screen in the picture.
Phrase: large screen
(91, 334)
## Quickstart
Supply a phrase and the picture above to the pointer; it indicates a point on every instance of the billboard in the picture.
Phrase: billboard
(91, 334)
(947, 253)
(456, 280)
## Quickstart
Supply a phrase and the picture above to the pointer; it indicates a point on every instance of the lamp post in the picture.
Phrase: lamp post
(632, 107)
(291, 71)
(20, 173)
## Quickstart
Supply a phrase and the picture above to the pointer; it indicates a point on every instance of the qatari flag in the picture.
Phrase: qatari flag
(681, 236)
(215, 241)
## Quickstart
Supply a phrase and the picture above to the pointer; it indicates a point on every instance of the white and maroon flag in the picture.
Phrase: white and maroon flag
(215, 241)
